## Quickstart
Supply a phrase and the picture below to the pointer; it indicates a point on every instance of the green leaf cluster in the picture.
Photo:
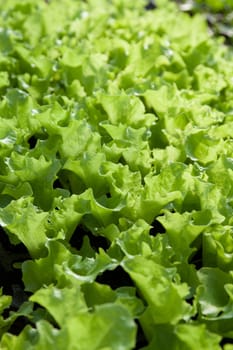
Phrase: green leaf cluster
(116, 178)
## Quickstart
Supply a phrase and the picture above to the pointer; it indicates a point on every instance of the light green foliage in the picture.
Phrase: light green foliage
(116, 176)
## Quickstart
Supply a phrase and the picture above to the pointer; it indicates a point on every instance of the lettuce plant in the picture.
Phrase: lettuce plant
(116, 172)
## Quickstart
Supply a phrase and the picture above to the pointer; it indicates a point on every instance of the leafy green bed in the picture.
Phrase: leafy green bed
(116, 173)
